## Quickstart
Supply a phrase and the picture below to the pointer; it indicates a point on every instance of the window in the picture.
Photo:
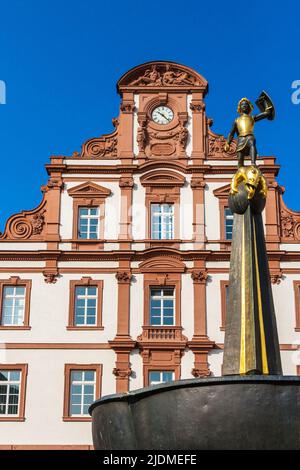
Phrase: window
(15, 303)
(88, 223)
(228, 223)
(12, 392)
(85, 305)
(162, 311)
(162, 221)
(159, 377)
(85, 310)
(10, 381)
(82, 393)
(82, 387)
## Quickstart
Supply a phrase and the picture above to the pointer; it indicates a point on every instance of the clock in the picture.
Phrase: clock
(162, 115)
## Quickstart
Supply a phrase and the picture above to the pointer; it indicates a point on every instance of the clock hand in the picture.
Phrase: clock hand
(163, 116)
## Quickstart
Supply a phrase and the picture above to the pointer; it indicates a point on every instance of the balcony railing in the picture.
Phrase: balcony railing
(161, 333)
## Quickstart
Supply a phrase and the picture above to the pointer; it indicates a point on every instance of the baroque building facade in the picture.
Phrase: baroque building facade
(118, 279)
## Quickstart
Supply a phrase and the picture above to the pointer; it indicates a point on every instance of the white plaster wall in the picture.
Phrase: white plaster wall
(49, 313)
(136, 305)
(215, 360)
(284, 302)
(187, 305)
(138, 210)
(290, 247)
(7, 246)
(187, 365)
(186, 210)
(45, 394)
(213, 307)
(212, 212)
(136, 380)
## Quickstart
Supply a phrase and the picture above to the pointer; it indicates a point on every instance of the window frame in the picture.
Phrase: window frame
(297, 304)
(161, 372)
(23, 368)
(164, 364)
(153, 281)
(86, 282)
(15, 281)
(161, 298)
(163, 216)
(225, 226)
(89, 217)
(67, 393)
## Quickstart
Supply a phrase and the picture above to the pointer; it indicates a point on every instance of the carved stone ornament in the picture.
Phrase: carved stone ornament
(122, 373)
(53, 183)
(203, 372)
(276, 278)
(199, 276)
(124, 277)
(126, 182)
(197, 107)
(50, 277)
(142, 137)
(216, 144)
(127, 107)
(38, 222)
(166, 75)
(290, 223)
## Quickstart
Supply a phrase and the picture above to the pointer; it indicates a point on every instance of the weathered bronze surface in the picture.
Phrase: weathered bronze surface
(251, 339)
(239, 412)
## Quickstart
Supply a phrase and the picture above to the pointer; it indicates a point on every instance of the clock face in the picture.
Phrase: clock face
(162, 115)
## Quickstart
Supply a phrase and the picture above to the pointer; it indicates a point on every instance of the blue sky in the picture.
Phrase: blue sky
(60, 61)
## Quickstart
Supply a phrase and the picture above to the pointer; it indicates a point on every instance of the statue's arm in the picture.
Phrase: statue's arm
(231, 133)
(264, 115)
(230, 137)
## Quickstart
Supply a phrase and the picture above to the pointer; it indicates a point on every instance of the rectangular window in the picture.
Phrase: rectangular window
(82, 391)
(10, 385)
(162, 221)
(88, 223)
(86, 300)
(228, 223)
(13, 305)
(157, 377)
(162, 306)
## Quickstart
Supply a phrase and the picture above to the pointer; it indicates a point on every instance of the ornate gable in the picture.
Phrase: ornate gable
(169, 75)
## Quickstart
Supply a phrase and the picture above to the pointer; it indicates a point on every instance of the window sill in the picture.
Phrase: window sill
(8, 327)
(85, 328)
(83, 419)
(16, 418)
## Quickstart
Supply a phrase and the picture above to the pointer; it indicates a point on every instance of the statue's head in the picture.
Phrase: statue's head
(244, 106)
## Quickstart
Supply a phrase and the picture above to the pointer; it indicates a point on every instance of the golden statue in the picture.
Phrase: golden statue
(243, 126)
